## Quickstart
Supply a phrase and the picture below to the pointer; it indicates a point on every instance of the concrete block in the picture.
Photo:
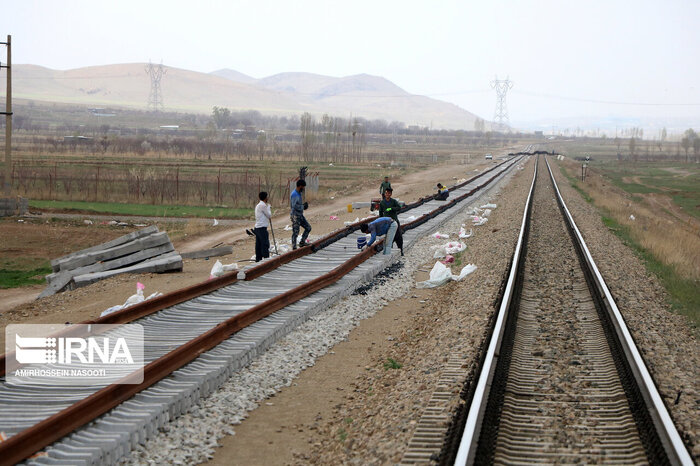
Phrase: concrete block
(213, 252)
(116, 263)
(109, 244)
(165, 263)
(82, 260)
(59, 282)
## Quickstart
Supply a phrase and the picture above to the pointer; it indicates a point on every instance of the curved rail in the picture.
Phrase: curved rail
(644, 395)
(32, 439)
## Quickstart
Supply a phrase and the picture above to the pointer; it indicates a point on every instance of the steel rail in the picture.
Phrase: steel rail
(668, 434)
(470, 435)
(29, 441)
(167, 300)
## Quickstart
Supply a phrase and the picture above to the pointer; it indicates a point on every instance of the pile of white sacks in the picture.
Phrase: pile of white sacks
(441, 272)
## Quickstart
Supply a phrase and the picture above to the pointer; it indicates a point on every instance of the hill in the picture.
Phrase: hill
(128, 85)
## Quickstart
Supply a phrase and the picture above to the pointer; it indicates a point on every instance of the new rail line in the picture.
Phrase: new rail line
(196, 337)
(561, 381)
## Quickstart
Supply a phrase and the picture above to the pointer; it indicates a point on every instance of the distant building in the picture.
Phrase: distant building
(539, 134)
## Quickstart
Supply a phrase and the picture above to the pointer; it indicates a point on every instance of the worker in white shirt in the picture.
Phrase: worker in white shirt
(263, 214)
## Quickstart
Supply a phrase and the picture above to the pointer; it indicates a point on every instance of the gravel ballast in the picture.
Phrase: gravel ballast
(385, 405)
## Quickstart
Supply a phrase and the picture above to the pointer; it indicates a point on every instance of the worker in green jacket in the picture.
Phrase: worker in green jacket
(389, 207)
(384, 186)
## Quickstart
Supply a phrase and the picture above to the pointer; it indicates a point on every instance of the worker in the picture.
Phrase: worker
(390, 207)
(297, 215)
(442, 193)
(263, 214)
(382, 226)
(384, 186)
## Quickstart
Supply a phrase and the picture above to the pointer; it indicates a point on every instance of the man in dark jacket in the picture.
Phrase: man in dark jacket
(296, 215)
(390, 207)
(384, 186)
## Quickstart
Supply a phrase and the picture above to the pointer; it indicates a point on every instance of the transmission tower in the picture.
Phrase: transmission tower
(500, 116)
(155, 96)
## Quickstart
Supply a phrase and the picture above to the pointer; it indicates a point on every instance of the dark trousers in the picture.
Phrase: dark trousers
(297, 222)
(262, 243)
(398, 237)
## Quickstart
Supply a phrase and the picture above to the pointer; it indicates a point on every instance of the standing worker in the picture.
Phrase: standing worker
(384, 186)
(442, 193)
(381, 226)
(390, 207)
(297, 215)
(263, 214)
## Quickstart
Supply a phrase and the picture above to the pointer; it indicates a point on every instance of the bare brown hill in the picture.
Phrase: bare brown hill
(127, 85)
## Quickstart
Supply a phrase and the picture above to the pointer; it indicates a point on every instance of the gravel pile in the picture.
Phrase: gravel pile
(665, 339)
(192, 438)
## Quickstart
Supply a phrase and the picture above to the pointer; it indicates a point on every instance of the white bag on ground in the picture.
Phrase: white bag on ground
(439, 235)
(131, 300)
(454, 247)
(466, 270)
(441, 274)
(217, 270)
(463, 233)
(488, 206)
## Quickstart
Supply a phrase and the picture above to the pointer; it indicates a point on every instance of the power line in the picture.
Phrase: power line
(608, 102)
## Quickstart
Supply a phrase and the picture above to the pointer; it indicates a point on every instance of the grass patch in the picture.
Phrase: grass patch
(342, 435)
(392, 364)
(684, 293)
(143, 210)
(13, 278)
(573, 181)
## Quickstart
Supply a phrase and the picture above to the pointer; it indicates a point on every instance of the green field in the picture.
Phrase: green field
(15, 273)
(142, 210)
(681, 182)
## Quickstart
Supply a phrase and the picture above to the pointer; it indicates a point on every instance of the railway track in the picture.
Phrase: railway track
(562, 381)
(196, 337)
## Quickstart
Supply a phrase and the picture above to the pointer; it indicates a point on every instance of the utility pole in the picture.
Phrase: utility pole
(500, 116)
(8, 117)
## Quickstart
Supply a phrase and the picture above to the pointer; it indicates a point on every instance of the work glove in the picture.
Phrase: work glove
(306, 205)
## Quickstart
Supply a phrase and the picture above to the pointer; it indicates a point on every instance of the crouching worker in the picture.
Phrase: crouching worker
(297, 215)
(442, 193)
(381, 226)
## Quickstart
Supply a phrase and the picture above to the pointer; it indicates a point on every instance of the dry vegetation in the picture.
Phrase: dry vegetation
(673, 242)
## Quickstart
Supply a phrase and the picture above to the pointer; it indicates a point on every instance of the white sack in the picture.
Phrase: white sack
(463, 233)
(441, 274)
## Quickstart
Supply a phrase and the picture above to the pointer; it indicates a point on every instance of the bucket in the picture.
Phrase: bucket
(349, 207)
(361, 242)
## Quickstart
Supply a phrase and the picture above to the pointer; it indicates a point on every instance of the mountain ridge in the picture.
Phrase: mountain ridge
(128, 85)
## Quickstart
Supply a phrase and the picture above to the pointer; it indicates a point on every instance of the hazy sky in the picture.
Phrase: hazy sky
(566, 58)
